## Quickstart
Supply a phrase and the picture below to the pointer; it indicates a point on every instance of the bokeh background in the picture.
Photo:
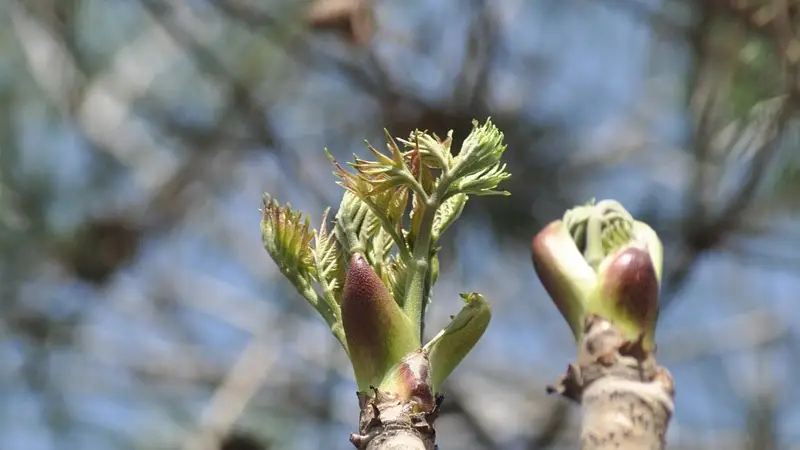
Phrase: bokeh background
(140, 311)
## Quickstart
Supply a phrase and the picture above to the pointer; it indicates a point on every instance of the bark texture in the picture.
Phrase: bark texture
(627, 399)
(389, 423)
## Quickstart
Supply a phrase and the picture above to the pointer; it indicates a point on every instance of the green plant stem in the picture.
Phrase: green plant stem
(332, 317)
(415, 185)
(353, 244)
(417, 272)
(415, 276)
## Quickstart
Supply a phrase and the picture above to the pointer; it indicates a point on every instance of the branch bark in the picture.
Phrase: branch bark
(387, 423)
(627, 399)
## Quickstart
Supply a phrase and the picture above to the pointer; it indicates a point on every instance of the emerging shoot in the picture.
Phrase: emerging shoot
(599, 260)
(371, 274)
(602, 269)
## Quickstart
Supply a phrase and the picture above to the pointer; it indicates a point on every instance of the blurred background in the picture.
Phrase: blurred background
(140, 311)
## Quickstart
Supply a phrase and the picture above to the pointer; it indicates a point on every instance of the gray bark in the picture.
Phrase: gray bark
(387, 423)
(627, 399)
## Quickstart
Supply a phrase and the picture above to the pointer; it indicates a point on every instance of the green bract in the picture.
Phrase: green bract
(448, 348)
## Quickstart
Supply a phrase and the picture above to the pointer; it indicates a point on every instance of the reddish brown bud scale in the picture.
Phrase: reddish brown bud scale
(411, 381)
(377, 331)
(630, 283)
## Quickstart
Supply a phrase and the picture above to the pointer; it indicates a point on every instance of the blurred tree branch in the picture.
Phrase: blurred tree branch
(107, 103)
(702, 229)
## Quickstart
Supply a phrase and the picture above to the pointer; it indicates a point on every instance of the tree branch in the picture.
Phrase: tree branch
(627, 399)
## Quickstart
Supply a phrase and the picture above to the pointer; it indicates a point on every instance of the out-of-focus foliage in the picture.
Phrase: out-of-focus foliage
(754, 76)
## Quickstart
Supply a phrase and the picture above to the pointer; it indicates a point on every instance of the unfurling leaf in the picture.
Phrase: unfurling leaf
(478, 169)
(386, 229)
(378, 333)
(392, 169)
(448, 213)
(481, 150)
(286, 236)
(434, 152)
(394, 276)
(349, 221)
(374, 178)
(329, 262)
(599, 229)
(482, 183)
(448, 348)
(374, 203)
